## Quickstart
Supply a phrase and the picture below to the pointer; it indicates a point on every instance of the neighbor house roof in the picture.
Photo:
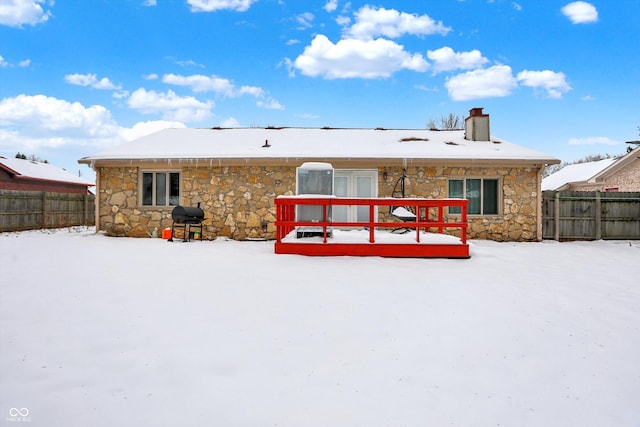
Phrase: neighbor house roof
(32, 170)
(589, 172)
(579, 172)
(287, 145)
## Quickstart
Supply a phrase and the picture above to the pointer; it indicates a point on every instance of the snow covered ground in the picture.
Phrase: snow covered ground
(99, 331)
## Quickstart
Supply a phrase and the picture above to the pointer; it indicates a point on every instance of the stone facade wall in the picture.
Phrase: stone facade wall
(118, 210)
(518, 217)
(239, 201)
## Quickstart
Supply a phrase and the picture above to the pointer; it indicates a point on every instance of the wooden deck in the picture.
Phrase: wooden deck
(425, 237)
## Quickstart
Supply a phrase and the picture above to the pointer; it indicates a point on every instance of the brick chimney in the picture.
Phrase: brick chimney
(476, 126)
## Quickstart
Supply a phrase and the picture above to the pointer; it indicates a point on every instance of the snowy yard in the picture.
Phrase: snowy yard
(99, 331)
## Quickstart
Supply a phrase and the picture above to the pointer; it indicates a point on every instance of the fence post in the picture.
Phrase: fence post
(598, 218)
(556, 216)
(44, 209)
(85, 213)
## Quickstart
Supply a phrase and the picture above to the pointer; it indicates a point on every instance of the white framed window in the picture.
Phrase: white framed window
(483, 195)
(354, 183)
(159, 188)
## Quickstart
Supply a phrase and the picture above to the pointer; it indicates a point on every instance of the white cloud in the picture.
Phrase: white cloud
(219, 85)
(496, 81)
(365, 50)
(554, 83)
(200, 83)
(16, 13)
(254, 91)
(230, 123)
(331, 6)
(343, 21)
(593, 140)
(305, 20)
(427, 88)
(307, 116)
(90, 80)
(290, 65)
(29, 122)
(516, 6)
(580, 12)
(32, 123)
(351, 58)
(445, 59)
(186, 63)
(51, 113)
(213, 5)
(171, 106)
(372, 22)
(80, 79)
(5, 64)
(120, 94)
(270, 104)
(104, 84)
(149, 3)
(152, 76)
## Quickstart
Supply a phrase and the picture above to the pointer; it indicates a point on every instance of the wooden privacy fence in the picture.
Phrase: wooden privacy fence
(590, 215)
(28, 210)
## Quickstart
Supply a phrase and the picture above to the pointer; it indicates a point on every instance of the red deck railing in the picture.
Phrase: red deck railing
(429, 218)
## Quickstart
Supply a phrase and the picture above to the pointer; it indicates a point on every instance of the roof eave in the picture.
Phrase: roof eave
(9, 170)
(616, 166)
(294, 161)
(57, 181)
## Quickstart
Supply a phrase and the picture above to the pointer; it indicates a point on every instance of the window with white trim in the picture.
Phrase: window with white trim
(483, 195)
(159, 188)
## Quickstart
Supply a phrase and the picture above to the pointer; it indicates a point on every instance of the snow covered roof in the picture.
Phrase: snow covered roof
(38, 170)
(578, 172)
(319, 144)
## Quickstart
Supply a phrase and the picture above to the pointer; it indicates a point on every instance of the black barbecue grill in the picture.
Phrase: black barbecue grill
(186, 218)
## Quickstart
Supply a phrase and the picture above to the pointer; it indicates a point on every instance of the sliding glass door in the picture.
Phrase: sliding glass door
(354, 183)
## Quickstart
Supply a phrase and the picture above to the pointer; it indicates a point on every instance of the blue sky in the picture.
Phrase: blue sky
(79, 76)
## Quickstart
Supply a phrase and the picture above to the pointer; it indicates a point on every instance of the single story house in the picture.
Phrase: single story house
(29, 175)
(607, 175)
(236, 174)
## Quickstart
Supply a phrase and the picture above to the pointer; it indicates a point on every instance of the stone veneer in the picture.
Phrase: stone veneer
(239, 201)
(518, 219)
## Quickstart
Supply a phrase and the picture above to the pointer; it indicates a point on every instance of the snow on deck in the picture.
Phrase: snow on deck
(381, 237)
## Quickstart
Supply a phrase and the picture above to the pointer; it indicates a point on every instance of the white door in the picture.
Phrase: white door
(354, 183)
